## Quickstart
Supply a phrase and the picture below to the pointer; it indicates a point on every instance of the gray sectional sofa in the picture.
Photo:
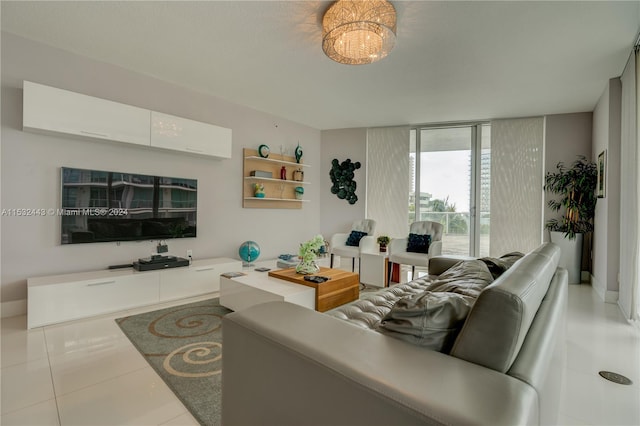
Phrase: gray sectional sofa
(500, 363)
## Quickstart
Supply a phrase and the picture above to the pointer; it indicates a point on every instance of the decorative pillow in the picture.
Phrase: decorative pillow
(428, 319)
(355, 237)
(419, 243)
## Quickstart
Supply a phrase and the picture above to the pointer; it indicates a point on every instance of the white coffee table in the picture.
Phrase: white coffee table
(241, 292)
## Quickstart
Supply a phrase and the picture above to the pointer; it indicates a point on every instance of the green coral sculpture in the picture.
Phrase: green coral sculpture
(342, 175)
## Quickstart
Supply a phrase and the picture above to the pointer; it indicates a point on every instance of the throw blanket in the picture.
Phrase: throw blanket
(428, 311)
(434, 318)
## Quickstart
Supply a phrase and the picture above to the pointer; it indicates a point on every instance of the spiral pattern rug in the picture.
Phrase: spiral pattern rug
(183, 344)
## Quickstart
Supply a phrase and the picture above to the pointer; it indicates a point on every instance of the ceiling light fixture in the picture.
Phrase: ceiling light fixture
(357, 32)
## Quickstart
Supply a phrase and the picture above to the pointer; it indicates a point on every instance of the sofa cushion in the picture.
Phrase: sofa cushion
(418, 243)
(368, 311)
(354, 238)
(430, 319)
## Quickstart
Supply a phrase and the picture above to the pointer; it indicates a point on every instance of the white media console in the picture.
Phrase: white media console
(59, 298)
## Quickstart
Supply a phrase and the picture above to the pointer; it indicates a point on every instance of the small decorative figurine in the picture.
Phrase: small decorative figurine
(258, 190)
(263, 151)
(283, 173)
(298, 153)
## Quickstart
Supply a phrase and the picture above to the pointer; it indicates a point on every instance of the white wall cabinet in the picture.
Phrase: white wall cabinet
(181, 134)
(59, 298)
(52, 110)
(48, 109)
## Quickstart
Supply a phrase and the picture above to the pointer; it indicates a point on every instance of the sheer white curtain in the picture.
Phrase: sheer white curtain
(629, 295)
(388, 172)
(517, 177)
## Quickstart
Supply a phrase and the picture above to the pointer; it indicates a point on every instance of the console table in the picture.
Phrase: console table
(59, 298)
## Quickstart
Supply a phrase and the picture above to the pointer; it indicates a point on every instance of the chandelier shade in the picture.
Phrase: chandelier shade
(357, 32)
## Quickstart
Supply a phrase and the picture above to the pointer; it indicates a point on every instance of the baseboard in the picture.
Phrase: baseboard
(13, 308)
(585, 276)
(607, 296)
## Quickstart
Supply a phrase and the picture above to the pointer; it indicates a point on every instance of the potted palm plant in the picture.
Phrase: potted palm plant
(576, 187)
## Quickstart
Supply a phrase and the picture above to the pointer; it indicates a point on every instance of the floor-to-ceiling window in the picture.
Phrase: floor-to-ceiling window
(450, 184)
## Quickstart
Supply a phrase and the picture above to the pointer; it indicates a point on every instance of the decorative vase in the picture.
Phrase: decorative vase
(258, 190)
(298, 175)
(307, 268)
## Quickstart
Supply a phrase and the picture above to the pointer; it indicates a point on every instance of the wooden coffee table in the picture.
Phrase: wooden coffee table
(343, 286)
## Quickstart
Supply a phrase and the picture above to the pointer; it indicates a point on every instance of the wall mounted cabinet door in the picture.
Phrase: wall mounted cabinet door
(181, 134)
(51, 110)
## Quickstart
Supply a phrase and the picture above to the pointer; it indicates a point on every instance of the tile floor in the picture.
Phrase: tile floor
(87, 373)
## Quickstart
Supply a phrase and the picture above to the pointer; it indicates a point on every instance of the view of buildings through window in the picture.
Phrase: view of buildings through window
(450, 184)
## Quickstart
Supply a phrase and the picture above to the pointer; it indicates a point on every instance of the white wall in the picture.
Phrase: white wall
(606, 236)
(337, 215)
(31, 162)
(566, 137)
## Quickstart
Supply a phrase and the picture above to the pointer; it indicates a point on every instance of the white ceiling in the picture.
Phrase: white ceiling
(453, 61)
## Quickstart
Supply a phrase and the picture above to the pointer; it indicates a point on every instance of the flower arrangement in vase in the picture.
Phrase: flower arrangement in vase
(308, 254)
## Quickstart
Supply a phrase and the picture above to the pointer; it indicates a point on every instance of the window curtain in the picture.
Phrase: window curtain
(388, 186)
(629, 291)
(517, 178)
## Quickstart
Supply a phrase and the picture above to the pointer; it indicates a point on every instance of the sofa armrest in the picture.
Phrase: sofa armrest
(287, 365)
(397, 245)
(368, 244)
(435, 249)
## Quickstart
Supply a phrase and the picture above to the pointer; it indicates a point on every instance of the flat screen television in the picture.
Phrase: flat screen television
(102, 206)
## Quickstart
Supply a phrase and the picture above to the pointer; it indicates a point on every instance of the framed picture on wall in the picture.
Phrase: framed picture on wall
(602, 175)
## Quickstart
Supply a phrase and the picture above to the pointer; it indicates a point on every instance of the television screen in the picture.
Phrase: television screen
(100, 206)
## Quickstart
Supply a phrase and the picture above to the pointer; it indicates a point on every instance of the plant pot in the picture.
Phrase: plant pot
(571, 254)
(383, 249)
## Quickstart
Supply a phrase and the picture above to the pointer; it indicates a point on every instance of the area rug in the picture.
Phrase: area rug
(183, 344)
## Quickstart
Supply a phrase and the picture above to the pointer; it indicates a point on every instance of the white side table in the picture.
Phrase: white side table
(374, 269)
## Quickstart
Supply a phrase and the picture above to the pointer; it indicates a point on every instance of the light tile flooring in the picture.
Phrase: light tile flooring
(87, 372)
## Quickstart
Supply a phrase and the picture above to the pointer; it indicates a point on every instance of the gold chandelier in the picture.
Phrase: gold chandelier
(358, 32)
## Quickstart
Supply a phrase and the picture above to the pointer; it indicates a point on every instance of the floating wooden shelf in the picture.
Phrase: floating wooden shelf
(279, 193)
(274, 160)
(276, 199)
(296, 182)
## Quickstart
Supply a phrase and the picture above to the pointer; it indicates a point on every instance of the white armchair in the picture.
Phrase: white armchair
(338, 244)
(398, 247)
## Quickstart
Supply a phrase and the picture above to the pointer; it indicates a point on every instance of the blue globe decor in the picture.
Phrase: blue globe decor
(249, 251)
